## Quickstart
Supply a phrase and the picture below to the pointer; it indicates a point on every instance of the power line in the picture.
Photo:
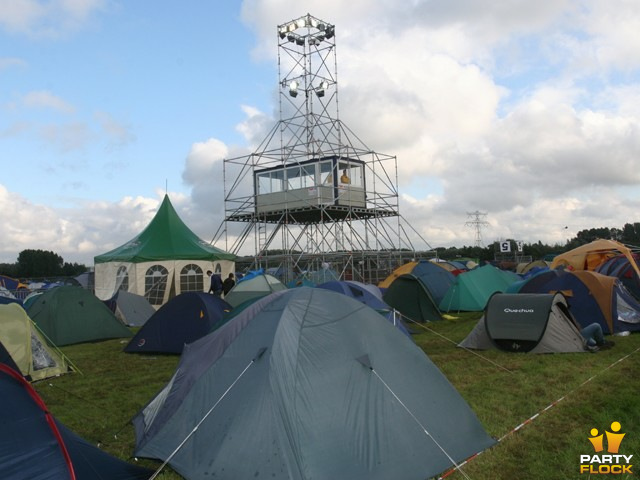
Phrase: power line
(477, 223)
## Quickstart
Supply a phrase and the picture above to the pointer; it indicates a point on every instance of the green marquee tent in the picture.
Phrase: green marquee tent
(164, 260)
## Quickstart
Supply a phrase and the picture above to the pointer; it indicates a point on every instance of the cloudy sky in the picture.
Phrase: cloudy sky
(526, 111)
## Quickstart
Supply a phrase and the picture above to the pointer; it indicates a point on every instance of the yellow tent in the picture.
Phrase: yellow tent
(401, 270)
(589, 256)
(27, 346)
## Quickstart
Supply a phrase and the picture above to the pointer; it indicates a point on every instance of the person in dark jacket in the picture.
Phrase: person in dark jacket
(216, 283)
(228, 284)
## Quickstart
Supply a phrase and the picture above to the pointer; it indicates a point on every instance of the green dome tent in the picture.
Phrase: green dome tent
(164, 260)
(69, 314)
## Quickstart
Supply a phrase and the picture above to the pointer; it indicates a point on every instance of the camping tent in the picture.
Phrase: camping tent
(525, 267)
(131, 309)
(164, 260)
(29, 350)
(620, 266)
(417, 288)
(592, 297)
(253, 288)
(70, 314)
(360, 292)
(535, 323)
(471, 290)
(6, 358)
(589, 256)
(294, 381)
(181, 320)
(408, 295)
(34, 445)
(401, 270)
(313, 278)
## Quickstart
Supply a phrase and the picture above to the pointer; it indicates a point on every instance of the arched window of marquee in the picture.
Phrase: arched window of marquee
(122, 278)
(155, 284)
(191, 279)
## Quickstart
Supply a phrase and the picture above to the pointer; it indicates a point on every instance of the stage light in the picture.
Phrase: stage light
(329, 31)
(293, 89)
(320, 91)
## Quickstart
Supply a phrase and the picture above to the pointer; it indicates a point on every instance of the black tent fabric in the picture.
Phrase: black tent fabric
(526, 322)
(35, 446)
(6, 359)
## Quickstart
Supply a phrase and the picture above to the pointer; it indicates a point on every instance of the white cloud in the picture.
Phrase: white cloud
(10, 62)
(117, 134)
(44, 99)
(528, 111)
(46, 18)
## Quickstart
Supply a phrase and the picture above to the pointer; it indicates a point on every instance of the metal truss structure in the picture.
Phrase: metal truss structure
(303, 224)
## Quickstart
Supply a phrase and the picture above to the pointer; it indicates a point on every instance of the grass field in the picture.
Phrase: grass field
(572, 393)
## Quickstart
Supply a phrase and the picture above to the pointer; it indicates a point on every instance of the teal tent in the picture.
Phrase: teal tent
(71, 314)
(309, 383)
(471, 290)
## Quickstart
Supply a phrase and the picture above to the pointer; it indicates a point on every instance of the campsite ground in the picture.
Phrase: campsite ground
(572, 393)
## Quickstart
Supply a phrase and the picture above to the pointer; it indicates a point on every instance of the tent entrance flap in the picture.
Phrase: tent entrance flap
(517, 322)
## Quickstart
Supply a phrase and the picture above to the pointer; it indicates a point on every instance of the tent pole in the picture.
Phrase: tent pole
(457, 467)
(173, 454)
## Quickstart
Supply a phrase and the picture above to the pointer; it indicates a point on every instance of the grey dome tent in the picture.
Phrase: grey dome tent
(309, 383)
(535, 323)
(257, 286)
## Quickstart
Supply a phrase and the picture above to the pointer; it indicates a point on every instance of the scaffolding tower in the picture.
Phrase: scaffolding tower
(312, 196)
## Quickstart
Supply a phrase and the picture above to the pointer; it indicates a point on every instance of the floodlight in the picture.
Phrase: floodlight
(301, 22)
(300, 40)
(321, 88)
(329, 31)
(291, 37)
(293, 88)
(283, 32)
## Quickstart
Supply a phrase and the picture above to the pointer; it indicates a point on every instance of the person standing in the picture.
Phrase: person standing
(228, 284)
(216, 283)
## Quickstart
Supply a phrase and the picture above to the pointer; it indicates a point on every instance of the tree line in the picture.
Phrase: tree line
(39, 264)
(628, 235)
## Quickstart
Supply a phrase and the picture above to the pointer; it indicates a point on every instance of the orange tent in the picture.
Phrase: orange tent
(589, 256)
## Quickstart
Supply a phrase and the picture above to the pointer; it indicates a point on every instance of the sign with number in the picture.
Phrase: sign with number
(520, 246)
(505, 247)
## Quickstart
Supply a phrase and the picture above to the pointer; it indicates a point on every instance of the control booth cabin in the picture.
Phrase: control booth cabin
(317, 190)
